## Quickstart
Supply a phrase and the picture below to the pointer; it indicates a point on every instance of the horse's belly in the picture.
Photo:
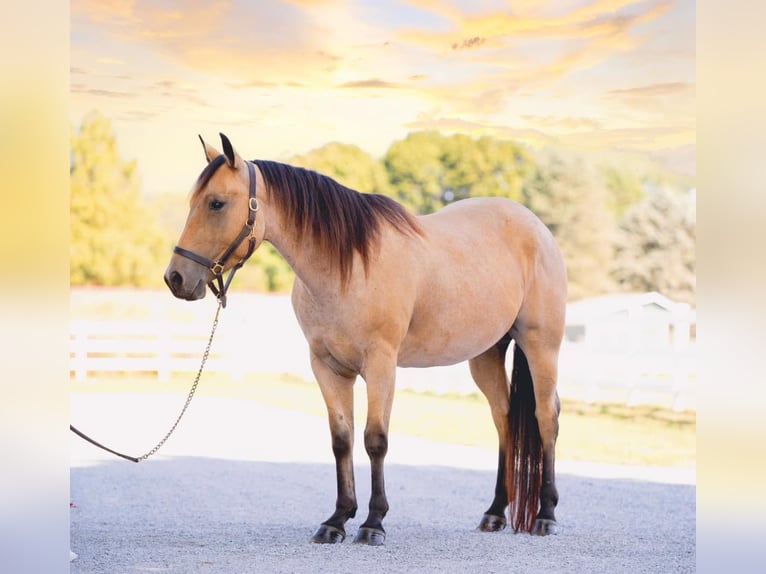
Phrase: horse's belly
(420, 357)
(450, 343)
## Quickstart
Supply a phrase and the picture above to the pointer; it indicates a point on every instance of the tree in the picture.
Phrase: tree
(349, 165)
(570, 198)
(415, 171)
(265, 271)
(624, 189)
(655, 245)
(115, 239)
(430, 170)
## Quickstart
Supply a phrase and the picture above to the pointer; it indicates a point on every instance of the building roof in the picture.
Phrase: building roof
(594, 308)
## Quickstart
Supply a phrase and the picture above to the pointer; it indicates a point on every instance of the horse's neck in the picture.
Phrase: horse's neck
(303, 257)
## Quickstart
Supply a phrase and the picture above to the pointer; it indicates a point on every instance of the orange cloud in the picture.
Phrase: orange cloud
(493, 29)
(652, 90)
(372, 83)
(658, 101)
(465, 68)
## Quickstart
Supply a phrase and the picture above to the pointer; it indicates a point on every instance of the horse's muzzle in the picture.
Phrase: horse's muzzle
(179, 287)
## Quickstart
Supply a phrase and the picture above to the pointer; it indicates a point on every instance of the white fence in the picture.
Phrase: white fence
(259, 333)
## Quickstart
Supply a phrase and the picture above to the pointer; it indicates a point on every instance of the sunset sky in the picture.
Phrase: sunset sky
(281, 77)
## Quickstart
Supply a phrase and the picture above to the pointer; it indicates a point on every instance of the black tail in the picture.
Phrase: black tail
(524, 451)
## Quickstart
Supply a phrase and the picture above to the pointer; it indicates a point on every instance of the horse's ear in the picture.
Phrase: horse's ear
(210, 151)
(228, 151)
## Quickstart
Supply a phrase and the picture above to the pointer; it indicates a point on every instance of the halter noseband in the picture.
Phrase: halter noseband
(216, 267)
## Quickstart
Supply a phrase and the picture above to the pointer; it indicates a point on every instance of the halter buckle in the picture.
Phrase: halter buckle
(253, 204)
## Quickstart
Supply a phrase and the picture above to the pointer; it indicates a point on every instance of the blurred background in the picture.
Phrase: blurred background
(582, 111)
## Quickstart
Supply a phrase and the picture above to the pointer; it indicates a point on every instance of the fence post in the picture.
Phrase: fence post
(164, 350)
(80, 350)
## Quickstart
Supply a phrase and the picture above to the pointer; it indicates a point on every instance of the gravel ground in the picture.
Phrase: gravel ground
(241, 487)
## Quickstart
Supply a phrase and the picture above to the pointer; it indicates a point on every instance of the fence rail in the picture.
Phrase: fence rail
(158, 347)
(131, 331)
(162, 347)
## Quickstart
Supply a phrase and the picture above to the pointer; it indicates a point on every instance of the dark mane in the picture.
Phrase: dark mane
(337, 219)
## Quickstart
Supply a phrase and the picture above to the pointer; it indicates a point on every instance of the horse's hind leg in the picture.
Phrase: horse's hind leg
(488, 371)
(542, 357)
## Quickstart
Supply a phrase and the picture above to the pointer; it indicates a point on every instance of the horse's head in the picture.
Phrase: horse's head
(223, 226)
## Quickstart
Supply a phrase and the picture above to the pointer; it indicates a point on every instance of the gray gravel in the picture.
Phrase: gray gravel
(242, 486)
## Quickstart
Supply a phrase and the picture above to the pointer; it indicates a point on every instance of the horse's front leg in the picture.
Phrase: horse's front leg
(379, 374)
(338, 393)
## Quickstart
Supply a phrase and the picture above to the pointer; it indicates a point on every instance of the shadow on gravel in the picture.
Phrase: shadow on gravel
(190, 515)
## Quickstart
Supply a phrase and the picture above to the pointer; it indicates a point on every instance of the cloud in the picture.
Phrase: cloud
(133, 115)
(449, 124)
(311, 3)
(469, 43)
(371, 83)
(105, 11)
(268, 41)
(176, 92)
(655, 90)
(251, 84)
(518, 45)
(657, 101)
(565, 123)
(523, 71)
(640, 138)
(479, 59)
(83, 89)
(606, 17)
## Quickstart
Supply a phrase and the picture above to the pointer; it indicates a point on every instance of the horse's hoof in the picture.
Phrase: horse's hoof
(327, 534)
(370, 536)
(544, 527)
(492, 523)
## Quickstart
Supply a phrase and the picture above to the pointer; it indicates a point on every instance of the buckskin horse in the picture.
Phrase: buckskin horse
(377, 287)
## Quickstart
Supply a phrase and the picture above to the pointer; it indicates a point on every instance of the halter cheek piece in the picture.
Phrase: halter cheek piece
(217, 284)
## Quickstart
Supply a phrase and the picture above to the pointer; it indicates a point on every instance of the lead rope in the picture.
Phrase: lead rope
(189, 398)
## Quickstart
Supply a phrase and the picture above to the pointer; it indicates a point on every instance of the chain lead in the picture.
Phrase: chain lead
(193, 388)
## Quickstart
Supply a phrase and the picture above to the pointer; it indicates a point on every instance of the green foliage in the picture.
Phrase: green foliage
(624, 189)
(115, 239)
(655, 246)
(265, 271)
(621, 222)
(430, 170)
(348, 165)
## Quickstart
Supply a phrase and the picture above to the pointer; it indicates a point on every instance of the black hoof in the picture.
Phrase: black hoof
(370, 536)
(492, 523)
(544, 527)
(327, 534)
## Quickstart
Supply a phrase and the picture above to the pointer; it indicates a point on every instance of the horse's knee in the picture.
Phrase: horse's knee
(376, 443)
(342, 442)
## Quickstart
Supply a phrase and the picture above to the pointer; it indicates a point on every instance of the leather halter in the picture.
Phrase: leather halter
(217, 284)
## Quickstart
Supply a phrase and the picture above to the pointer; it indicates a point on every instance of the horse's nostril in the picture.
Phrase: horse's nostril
(176, 280)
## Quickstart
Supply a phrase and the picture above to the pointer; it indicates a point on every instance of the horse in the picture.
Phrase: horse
(377, 287)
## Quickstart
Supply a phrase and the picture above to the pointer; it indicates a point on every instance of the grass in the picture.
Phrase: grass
(608, 433)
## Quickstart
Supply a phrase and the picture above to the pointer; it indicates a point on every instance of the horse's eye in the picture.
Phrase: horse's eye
(216, 204)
